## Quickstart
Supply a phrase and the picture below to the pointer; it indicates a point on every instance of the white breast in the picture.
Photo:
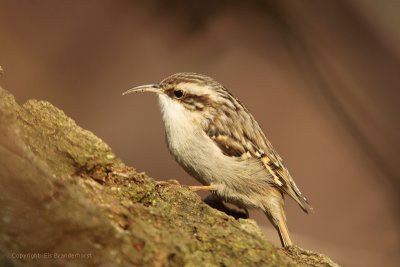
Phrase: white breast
(186, 140)
(198, 154)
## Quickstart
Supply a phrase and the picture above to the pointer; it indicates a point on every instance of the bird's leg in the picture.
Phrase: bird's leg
(196, 188)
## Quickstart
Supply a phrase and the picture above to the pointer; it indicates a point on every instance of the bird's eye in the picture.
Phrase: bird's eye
(179, 93)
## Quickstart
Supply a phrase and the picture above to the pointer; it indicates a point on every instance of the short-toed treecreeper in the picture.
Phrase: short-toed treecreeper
(216, 140)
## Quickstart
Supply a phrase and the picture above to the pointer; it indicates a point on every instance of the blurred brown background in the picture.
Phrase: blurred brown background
(321, 77)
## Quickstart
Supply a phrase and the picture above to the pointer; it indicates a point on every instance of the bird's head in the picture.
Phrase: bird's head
(193, 92)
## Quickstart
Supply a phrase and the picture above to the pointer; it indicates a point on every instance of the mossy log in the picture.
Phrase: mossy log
(66, 200)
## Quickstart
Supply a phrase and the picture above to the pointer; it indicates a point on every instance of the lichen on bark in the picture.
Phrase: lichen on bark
(64, 191)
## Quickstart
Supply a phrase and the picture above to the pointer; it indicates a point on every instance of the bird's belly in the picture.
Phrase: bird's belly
(241, 182)
(203, 159)
(197, 156)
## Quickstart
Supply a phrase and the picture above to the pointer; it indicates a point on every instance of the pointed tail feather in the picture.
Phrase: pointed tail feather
(284, 234)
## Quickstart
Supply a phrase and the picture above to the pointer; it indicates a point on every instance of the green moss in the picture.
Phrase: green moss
(55, 138)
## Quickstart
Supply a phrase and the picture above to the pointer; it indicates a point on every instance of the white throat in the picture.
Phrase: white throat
(172, 112)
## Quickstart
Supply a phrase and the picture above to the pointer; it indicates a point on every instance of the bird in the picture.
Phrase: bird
(216, 140)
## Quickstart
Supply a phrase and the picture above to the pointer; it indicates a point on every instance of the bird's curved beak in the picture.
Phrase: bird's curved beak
(154, 88)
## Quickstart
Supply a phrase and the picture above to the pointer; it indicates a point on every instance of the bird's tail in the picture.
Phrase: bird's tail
(279, 223)
(273, 208)
(284, 234)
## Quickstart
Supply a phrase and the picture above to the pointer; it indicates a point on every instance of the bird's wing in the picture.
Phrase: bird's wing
(246, 140)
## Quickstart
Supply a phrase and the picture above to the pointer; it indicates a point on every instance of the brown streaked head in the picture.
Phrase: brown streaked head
(194, 91)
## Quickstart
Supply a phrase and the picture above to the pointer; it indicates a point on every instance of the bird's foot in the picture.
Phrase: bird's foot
(196, 188)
